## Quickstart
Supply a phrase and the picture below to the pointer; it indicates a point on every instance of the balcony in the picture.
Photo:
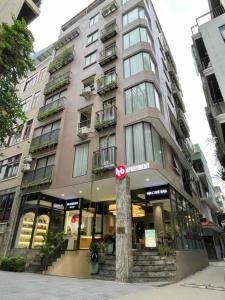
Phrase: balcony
(107, 83)
(58, 83)
(29, 10)
(108, 32)
(178, 97)
(214, 13)
(60, 61)
(219, 108)
(108, 55)
(104, 160)
(84, 128)
(37, 178)
(67, 38)
(45, 141)
(106, 118)
(51, 109)
(109, 9)
(87, 92)
(183, 122)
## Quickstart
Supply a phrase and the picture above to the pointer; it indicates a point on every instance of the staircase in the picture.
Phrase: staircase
(147, 267)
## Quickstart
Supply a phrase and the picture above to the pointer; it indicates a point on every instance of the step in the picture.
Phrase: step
(144, 253)
(153, 263)
(146, 257)
(107, 267)
(142, 279)
(156, 274)
(110, 262)
(106, 278)
(107, 273)
(154, 268)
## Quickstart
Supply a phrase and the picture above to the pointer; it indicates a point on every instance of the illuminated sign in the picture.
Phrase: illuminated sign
(120, 172)
(150, 238)
(158, 192)
(72, 205)
(136, 168)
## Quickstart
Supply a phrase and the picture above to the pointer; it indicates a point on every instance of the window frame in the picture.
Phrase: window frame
(5, 207)
(90, 56)
(95, 19)
(9, 164)
(92, 35)
(75, 151)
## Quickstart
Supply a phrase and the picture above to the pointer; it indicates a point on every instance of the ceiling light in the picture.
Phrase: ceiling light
(62, 195)
(147, 179)
(97, 188)
(80, 192)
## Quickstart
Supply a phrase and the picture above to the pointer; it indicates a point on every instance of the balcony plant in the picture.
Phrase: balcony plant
(62, 60)
(43, 146)
(94, 257)
(57, 85)
(109, 242)
(48, 113)
(103, 123)
(36, 183)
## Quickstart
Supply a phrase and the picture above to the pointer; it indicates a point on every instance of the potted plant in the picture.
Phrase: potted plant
(94, 257)
(109, 242)
(101, 253)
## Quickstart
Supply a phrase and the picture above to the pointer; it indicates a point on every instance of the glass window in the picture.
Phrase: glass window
(138, 63)
(141, 96)
(125, 1)
(90, 59)
(143, 144)
(6, 202)
(94, 20)
(27, 129)
(81, 160)
(26, 104)
(9, 167)
(42, 74)
(133, 15)
(17, 136)
(92, 37)
(36, 100)
(135, 36)
(222, 31)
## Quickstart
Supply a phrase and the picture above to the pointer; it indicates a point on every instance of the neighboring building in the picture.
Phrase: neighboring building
(220, 198)
(208, 48)
(212, 232)
(20, 9)
(15, 158)
(113, 97)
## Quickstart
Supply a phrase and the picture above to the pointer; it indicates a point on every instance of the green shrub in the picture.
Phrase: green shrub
(166, 250)
(13, 263)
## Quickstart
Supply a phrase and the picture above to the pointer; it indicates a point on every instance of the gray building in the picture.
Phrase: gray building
(112, 97)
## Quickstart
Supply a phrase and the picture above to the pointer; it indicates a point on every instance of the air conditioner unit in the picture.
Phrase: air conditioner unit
(86, 92)
(27, 159)
(26, 167)
(83, 131)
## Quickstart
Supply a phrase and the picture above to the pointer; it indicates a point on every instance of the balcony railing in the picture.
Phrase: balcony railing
(63, 59)
(107, 55)
(107, 83)
(51, 109)
(44, 141)
(106, 118)
(205, 61)
(108, 32)
(183, 122)
(57, 83)
(84, 129)
(109, 9)
(178, 97)
(216, 12)
(37, 178)
(219, 108)
(104, 159)
(67, 38)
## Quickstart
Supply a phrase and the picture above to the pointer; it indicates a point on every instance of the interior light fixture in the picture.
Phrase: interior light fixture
(147, 179)
(80, 192)
(97, 188)
(62, 195)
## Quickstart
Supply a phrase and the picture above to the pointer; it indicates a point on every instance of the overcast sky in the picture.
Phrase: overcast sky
(176, 18)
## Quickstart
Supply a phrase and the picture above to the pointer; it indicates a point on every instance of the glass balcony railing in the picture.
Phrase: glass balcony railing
(104, 159)
(37, 178)
(44, 141)
(107, 83)
(106, 118)
(51, 109)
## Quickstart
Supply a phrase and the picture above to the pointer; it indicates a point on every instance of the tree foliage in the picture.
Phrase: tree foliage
(16, 45)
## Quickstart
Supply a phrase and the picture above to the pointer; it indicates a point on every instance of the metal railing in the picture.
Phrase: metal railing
(57, 104)
(86, 123)
(108, 53)
(107, 82)
(57, 82)
(219, 108)
(109, 9)
(108, 32)
(48, 137)
(38, 174)
(104, 158)
(212, 14)
(183, 121)
(107, 115)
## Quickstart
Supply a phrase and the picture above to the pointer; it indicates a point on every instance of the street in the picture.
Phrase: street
(207, 284)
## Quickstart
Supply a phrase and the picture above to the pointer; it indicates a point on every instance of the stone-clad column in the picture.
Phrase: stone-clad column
(124, 259)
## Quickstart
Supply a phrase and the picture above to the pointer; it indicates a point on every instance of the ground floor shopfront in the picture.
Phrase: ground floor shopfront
(160, 217)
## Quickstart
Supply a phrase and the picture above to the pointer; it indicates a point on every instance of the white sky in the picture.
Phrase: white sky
(176, 18)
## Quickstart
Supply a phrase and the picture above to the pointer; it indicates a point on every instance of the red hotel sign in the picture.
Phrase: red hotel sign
(120, 172)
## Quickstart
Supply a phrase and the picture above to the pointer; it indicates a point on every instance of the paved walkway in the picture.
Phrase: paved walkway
(25, 286)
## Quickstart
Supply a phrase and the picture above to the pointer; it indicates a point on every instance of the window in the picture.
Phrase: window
(53, 98)
(30, 82)
(124, 1)
(6, 202)
(135, 36)
(222, 31)
(143, 143)
(26, 104)
(131, 16)
(92, 37)
(27, 130)
(141, 96)
(94, 20)
(90, 59)
(46, 129)
(9, 167)
(16, 138)
(138, 63)
(81, 160)
(42, 74)
(36, 99)
(45, 162)
(107, 141)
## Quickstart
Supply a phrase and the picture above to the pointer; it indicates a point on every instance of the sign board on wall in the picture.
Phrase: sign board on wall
(150, 238)
(72, 204)
(158, 192)
(121, 171)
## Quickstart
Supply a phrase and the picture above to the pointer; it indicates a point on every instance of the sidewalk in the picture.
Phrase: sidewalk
(191, 288)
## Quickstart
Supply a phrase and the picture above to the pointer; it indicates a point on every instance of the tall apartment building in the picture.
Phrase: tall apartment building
(113, 97)
(20, 9)
(220, 198)
(213, 234)
(208, 48)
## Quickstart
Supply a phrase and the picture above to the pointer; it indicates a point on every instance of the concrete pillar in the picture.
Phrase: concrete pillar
(124, 259)
(158, 220)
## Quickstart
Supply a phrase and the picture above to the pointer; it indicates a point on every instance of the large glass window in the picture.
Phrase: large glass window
(6, 202)
(135, 36)
(94, 20)
(131, 16)
(138, 63)
(141, 96)
(90, 59)
(92, 37)
(143, 143)
(9, 167)
(81, 160)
